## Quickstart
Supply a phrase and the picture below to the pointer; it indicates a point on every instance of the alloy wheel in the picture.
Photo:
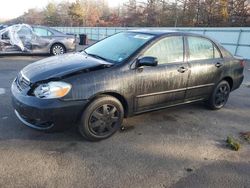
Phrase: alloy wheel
(222, 95)
(58, 49)
(104, 120)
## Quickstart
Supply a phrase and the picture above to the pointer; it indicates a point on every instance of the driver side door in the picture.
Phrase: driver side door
(165, 84)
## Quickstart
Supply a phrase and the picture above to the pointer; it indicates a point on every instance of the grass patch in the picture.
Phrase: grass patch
(233, 143)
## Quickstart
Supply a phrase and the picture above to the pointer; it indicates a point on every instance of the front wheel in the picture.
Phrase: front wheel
(220, 95)
(101, 119)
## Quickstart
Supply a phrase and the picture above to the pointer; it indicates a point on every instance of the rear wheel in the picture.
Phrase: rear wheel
(57, 49)
(220, 95)
(101, 119)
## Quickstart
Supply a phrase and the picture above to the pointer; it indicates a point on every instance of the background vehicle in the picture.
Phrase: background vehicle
(124, 75)
(26, 39)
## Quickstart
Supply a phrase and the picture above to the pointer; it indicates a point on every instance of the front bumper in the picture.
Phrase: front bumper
(45, 114)
(34, 124)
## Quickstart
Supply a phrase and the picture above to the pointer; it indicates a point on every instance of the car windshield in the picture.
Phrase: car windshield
(118, 47)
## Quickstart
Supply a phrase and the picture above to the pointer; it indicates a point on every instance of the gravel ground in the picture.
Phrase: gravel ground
(177, 147)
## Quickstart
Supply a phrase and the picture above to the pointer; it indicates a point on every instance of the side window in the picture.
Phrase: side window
(201, 49)
(216, 53)
(42, 32)
(167, 50)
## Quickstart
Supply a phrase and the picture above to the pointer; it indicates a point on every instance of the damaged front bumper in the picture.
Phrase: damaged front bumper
(36, 124)
(45, 114)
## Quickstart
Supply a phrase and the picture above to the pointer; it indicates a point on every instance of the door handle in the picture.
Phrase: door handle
(182, 69)
(218, 64)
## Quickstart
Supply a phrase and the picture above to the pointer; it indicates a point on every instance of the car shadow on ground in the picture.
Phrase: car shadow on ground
(14, 129)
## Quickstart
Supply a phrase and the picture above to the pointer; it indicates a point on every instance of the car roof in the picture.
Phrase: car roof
(163, 32)
(153, 31)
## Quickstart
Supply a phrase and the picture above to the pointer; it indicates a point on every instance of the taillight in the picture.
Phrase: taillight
(242, 63)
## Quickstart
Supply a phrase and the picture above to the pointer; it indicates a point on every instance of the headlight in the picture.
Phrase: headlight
(52, 90)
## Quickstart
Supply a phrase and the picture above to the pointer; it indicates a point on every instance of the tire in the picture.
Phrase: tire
(220, 95)
(57, 49)
(101, 119)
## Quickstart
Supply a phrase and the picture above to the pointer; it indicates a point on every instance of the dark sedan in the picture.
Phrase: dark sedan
(124, 75)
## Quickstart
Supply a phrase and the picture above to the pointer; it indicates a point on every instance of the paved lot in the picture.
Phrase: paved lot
(177, 147)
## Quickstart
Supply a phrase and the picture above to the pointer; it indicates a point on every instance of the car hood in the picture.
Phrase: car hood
(63, 65)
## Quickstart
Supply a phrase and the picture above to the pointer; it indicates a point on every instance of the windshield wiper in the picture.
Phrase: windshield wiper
(97, 56)
(100, 57)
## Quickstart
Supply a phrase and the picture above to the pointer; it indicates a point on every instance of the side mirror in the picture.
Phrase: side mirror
(147, 61)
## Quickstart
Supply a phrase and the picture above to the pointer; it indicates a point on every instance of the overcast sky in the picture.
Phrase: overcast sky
(14, 8)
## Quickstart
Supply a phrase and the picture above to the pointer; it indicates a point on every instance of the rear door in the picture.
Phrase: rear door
(206, 67)
(165, 84)
(43, 39)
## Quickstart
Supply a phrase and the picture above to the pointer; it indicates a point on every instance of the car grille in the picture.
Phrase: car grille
(22, 82)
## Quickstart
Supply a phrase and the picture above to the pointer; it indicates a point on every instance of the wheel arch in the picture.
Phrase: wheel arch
(229, 80)
(116, 95)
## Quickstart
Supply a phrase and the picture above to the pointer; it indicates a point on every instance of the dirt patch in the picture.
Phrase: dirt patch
(245, 136)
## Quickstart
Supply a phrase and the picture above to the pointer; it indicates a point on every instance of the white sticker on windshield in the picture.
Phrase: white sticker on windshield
(144, 37)
(120, 59)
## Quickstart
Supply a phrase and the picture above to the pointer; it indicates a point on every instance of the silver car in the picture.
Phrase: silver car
(27, 39)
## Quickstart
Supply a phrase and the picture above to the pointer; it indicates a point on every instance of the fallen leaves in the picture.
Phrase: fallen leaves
(245, 136)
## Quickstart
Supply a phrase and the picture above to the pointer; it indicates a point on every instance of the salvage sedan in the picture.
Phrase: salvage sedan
(123, 75)
(26, 39)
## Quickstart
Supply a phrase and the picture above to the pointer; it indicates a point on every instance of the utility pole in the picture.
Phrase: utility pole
(198, 12)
